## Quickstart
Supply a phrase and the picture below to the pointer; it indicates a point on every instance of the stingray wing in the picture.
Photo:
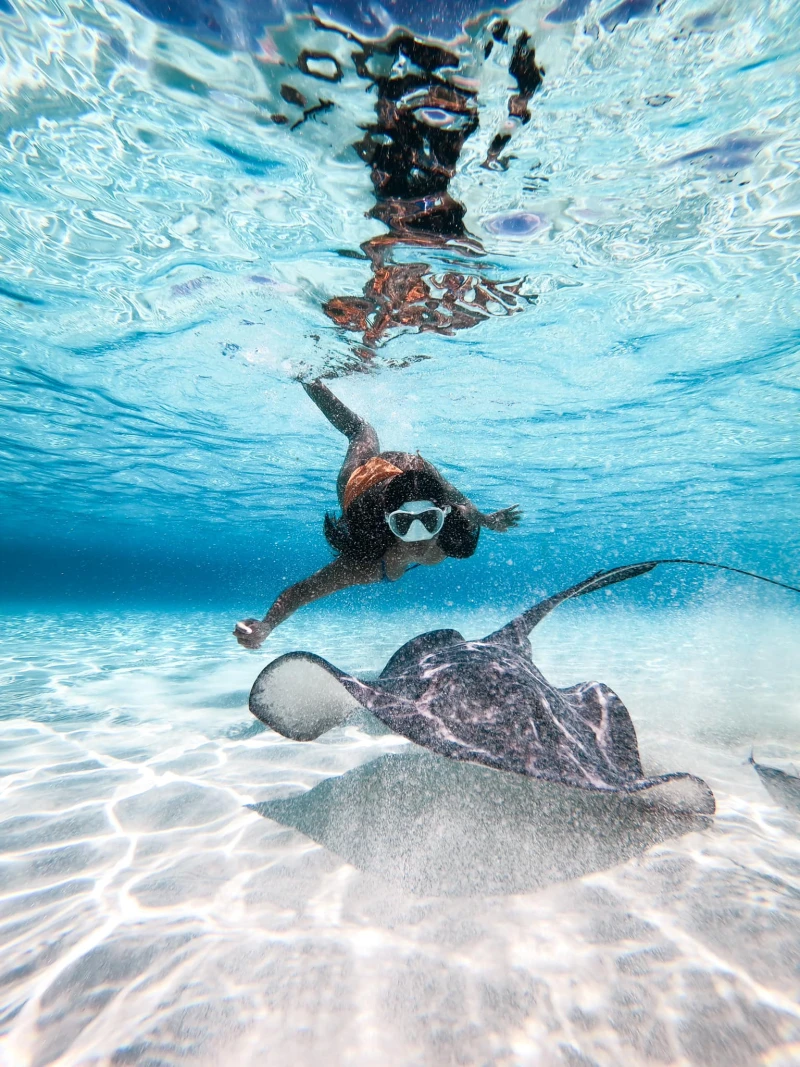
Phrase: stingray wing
(617, 754)
(409, 654)
(301, 696)
(610, 727)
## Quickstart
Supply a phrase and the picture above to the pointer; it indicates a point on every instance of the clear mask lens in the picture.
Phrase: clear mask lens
(418, 520)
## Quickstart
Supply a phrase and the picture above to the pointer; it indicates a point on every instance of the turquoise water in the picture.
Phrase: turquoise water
(180, 213)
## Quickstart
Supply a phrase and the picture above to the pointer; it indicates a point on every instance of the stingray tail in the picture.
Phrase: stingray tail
(523, 624)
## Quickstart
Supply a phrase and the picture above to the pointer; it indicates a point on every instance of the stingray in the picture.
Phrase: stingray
(485, 702)
(783, 788)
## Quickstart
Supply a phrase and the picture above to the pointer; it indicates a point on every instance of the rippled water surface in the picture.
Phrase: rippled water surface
(167, 250)
(582, 298)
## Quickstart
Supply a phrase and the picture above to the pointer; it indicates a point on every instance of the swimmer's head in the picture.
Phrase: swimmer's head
(364, 533)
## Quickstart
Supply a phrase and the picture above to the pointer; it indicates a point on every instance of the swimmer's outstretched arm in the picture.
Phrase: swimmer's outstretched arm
(498, 521)
(340, 574)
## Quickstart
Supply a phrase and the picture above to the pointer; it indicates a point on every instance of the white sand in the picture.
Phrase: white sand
(149, 918)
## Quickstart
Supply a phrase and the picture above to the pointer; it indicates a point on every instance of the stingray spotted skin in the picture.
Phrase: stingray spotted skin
(483, 702)
(486, 703)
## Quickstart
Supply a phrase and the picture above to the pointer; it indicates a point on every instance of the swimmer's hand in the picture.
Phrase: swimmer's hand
(502, 520)
(251, 633)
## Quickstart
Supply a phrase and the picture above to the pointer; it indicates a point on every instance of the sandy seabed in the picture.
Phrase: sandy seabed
(149, 917)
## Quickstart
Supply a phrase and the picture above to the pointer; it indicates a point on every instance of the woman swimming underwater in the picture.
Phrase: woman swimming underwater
(398, 512)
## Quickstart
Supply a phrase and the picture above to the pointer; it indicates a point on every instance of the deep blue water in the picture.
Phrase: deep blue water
(167, 252)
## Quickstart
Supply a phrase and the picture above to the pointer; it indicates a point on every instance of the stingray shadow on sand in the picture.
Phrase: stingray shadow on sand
(522, 783)
(436, 827)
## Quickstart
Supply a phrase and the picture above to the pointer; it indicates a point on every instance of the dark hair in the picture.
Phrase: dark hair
(363, 533)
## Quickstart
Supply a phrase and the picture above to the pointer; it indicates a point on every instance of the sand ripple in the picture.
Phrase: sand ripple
(148, 917)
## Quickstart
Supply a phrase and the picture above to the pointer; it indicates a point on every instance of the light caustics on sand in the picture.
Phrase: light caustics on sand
(125, 813)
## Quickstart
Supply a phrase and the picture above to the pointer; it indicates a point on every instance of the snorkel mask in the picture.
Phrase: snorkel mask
(417, 520)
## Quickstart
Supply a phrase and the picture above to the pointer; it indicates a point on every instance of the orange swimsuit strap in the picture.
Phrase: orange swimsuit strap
(368, 474)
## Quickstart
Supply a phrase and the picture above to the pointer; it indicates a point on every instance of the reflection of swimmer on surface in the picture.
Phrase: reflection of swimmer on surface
(398, 512)
(410, 296)
(423, 118)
